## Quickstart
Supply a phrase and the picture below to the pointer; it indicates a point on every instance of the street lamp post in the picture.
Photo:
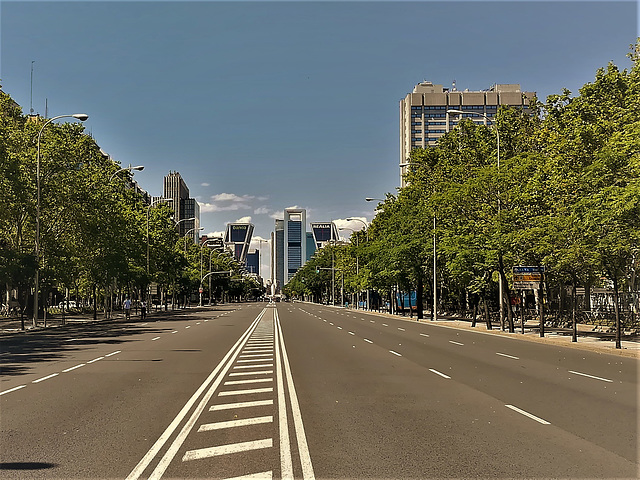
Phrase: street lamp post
(487, 119)
(148, 208)
(79, 116)
(213, 250)
(366, 231)
(128, 169)
(202, 245)
(357, 265)
(187, 234)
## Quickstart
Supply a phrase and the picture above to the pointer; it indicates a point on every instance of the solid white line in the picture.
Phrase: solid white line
(367, 340)
(227, 449)
(591, 376)
(157, 338)
(214, 377)
(527, 414)
(438, 373)
(95, 360)
(12, 389)
(113, 353)
(230, 406)
(253, 380)
(46, 378)
(508, 356)
(73, 368)
(207, 427)
(395, 353)
(303, 448)
(424, 335)
(286, 463)
(455, 343)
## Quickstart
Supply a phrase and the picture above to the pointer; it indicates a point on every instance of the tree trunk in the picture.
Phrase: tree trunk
(541, 303)
(617, 310)
(475, 313)
(419, 294)
(505, 293)
(574, 333)
(486, 313)
(95, 303)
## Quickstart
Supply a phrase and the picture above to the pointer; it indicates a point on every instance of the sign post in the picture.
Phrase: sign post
(530, 278)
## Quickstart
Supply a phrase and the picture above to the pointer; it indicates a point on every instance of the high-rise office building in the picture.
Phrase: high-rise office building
(295, 240)
(289, 244)
(175, 188)
(323, 233)
(424, 118)
(237, 239)
(277, 256)
(253, 262)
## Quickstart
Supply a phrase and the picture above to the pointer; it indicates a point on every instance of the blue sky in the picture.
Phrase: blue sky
(266, 105)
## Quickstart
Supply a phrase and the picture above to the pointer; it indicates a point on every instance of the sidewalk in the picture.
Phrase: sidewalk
(589, 336)
(10, 326)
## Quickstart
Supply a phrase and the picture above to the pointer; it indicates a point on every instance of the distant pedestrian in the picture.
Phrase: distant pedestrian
(127, 309)
(143, 309)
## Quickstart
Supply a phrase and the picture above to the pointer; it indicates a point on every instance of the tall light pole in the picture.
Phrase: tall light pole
(487, 119)
(128, 169)
(187, 234)
(366, 231)
(36, 291)
(357, 263)
(202, 245)
(148, 208)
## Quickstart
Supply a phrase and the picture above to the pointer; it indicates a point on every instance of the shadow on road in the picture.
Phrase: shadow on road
(19, 352)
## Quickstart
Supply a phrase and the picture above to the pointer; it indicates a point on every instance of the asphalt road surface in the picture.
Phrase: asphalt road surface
(305, 391)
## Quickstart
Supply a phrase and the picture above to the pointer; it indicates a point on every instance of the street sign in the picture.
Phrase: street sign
(527, 278)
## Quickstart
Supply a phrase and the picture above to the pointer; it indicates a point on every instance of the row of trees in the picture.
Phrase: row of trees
(565, 196)
(93, 222)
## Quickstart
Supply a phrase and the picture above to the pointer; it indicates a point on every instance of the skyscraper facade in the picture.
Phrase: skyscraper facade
(277, 256)
(175, 188)
(424, 118)
(295, 241)
(237, 239)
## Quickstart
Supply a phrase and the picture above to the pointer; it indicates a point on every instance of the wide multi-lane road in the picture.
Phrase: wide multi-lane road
(299, 390)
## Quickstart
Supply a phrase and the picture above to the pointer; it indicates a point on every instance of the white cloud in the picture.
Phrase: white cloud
(261, 211)
(246, 219)
(211, 207)
(205, 184)
(231, 197)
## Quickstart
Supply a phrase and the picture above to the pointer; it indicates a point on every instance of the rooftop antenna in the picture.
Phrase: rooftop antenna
(453, 87)
(31, 99)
